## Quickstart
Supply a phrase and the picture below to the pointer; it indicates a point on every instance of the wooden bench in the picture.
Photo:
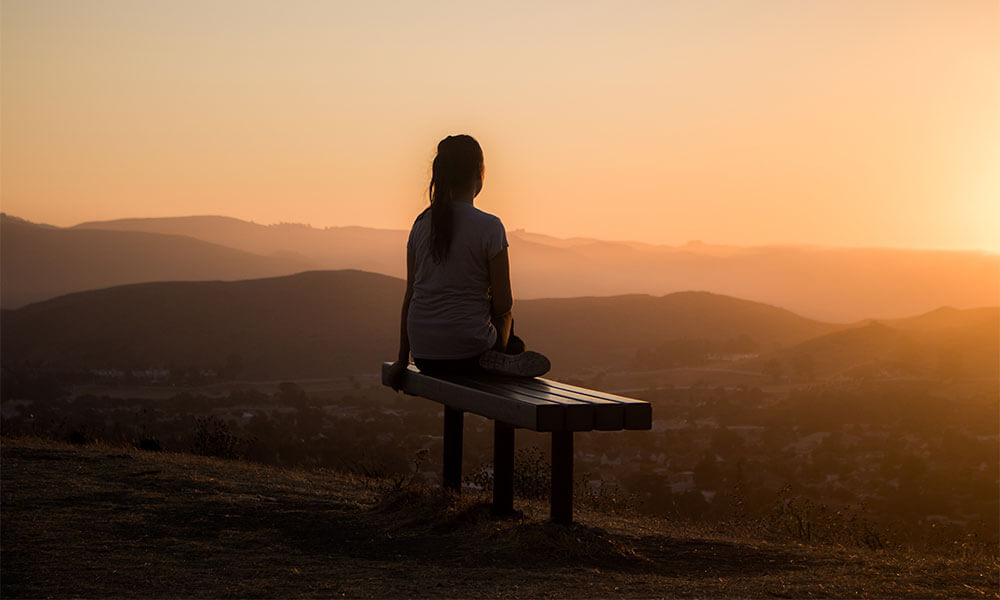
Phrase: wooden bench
(537, 404)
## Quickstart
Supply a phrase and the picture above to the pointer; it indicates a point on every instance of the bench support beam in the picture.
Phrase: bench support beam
(453, 420)
(503, 468)
(562, 477)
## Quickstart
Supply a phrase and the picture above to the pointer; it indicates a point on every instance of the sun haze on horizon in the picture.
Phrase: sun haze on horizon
(734, 122)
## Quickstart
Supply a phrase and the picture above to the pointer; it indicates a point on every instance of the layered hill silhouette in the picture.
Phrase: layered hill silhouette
(311, 324)
(827, 283)
(945, 342)
(323, 323)
(327, 323)
(38, 262)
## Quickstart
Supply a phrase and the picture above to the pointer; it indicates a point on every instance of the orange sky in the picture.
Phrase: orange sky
(745, 122)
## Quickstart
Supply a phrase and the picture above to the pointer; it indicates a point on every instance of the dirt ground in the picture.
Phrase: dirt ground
(99, 522)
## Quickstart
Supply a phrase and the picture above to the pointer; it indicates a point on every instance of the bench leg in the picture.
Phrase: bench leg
(562, 477)
(453, 448)
(503, 468)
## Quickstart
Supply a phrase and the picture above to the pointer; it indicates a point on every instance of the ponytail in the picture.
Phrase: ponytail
(458, 162)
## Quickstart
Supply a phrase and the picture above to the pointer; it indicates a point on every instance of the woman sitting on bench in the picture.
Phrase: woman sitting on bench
(456, 316)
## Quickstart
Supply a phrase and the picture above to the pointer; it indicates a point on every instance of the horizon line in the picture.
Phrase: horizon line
(679, 245)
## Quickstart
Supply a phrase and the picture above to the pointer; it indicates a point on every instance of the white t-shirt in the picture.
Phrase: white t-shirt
(449, 315)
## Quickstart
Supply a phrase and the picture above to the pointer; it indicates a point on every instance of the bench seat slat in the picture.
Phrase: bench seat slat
(534, 384)
(638, 413)
(614, 413)
(513, 386)
(608, 415)
(588, 392)
(579, 416)
(531, 403)
(528, 413)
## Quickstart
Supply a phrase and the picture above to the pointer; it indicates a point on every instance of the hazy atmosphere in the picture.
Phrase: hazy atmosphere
(738, 122)
(727, 324)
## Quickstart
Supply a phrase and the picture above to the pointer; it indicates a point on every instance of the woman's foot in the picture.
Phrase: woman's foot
(525, 364)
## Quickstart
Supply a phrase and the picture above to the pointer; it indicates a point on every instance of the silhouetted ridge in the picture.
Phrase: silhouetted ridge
(946, 342)
(599, 332)
(38, 261)
(314, 323)
(321, 323)
(827, 283)
(326, 323)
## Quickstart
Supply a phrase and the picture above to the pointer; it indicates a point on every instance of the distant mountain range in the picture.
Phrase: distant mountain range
(326, 323)
(39, 262)
(832, 284)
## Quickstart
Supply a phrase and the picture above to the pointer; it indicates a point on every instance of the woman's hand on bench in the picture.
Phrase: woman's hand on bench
(396, 371)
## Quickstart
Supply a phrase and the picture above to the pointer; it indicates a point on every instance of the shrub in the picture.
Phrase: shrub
(805, 520)
(213, 437)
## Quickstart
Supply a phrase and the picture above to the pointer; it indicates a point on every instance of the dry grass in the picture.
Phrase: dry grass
(99, 521)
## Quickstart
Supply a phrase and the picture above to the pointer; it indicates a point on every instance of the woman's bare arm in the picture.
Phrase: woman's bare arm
(503, 298)
(403, 357)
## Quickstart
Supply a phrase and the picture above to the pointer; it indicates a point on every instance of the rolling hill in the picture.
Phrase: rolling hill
(849, 351)
(38, 262)
(324, 323)
(313, 323)
(957, 342)
(946, 342)
(602, 332)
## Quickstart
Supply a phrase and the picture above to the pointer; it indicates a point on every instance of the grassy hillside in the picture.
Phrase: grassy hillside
(99, 521)
(39, 262)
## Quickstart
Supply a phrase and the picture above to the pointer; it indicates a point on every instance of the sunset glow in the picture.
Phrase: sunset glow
(736, 333)
(753, 123)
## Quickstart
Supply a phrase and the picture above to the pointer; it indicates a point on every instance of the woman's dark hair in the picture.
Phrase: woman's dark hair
(459, 162)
